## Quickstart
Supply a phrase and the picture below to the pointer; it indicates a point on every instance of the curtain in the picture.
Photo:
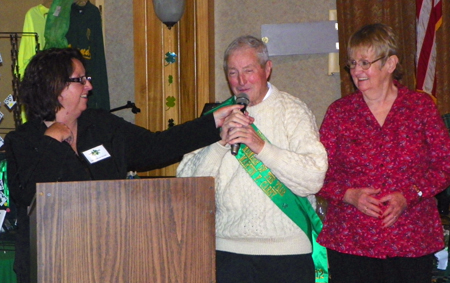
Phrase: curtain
(443, 61)
(401, 16)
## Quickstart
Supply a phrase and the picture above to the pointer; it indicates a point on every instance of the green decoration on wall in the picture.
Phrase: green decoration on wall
(170, 102)
(171, 123)
(170, 79)
(171, 57)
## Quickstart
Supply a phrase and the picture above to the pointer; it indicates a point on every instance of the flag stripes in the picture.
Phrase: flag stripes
(428, 21)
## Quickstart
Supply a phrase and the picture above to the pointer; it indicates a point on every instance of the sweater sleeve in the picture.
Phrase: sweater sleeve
(302, 165)
(203, 162)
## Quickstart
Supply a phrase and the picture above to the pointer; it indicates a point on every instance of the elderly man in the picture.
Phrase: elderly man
(258, 238)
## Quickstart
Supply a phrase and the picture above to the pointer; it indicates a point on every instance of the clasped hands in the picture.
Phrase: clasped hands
(388, 208)
(237, 128)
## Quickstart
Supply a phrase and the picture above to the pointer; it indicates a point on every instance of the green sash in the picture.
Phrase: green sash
(297, 208)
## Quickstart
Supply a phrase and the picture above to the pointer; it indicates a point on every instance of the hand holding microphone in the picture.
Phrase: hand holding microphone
(241, 99)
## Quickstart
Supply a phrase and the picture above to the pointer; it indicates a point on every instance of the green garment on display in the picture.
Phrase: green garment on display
(4, 182)
(57, 24)
(7, 274)
(34, 23)
(7, 253)
(85, 33)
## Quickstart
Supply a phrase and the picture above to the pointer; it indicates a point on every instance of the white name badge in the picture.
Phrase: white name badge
(96, 154)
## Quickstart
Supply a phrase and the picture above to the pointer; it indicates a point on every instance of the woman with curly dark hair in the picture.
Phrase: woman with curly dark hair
(57, 142)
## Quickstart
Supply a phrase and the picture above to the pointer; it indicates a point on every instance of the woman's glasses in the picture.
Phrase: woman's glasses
(82, 80)
(364, 64)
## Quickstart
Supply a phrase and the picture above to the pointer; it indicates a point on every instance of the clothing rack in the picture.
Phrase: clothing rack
(14, 40)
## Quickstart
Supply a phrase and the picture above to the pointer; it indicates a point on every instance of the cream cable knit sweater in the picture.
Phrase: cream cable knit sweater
(247, 221)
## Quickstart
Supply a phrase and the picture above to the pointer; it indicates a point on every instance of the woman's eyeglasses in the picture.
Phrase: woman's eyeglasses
(82, 80)
(364, 64)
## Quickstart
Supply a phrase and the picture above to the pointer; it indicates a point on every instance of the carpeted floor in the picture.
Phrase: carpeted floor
(440, 277)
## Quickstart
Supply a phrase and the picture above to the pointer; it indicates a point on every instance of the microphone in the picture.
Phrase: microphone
(241, 99)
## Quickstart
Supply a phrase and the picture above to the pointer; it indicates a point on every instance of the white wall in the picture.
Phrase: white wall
(304, 76)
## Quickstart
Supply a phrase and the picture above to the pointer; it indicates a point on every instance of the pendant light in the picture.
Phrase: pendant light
(169, 11)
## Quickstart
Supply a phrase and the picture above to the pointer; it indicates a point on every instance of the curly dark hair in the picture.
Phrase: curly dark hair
(44, 79)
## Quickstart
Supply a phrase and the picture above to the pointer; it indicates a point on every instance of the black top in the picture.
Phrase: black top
(34, 158)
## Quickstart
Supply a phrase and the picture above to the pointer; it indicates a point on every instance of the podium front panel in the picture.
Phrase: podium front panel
(141, 230)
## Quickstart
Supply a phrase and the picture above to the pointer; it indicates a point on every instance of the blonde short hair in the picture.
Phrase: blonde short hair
(377, 37)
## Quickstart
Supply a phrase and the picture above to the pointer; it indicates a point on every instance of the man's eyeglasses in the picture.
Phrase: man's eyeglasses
(364, 64)
(82, 80)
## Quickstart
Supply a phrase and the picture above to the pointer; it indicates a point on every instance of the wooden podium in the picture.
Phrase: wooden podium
(141, 230)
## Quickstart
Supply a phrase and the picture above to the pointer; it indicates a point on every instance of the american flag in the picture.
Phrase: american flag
(429, 19)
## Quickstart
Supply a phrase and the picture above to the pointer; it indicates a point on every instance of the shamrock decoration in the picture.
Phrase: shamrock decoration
(170, 79)
(170, 102)
(171, 123)
(171, 57)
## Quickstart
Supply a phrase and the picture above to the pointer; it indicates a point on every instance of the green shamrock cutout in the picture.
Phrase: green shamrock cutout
(171, 57)
(170, 102)
(170, 79)
(171, 123)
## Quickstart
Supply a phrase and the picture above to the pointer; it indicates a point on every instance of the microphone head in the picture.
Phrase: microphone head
(242, 98)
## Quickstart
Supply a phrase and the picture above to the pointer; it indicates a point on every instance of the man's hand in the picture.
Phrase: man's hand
(235, 120)
(247, 136)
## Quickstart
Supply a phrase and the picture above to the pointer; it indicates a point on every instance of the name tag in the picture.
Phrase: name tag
(96, 154)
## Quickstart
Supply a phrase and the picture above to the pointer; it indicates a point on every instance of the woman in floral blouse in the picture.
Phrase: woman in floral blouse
(389, 155)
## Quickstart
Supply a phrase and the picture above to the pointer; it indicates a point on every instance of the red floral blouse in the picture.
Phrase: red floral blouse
(411, 148)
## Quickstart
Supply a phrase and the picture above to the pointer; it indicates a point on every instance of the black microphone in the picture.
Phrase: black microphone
(241, 99)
